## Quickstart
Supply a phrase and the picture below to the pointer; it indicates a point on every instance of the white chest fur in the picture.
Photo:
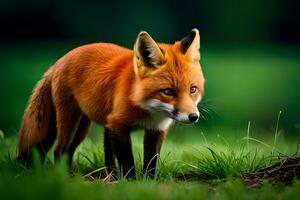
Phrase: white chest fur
(156, 121)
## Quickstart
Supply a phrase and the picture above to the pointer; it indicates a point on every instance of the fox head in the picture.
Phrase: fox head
(169, 77)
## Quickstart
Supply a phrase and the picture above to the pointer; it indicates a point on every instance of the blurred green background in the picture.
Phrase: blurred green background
(250, 51)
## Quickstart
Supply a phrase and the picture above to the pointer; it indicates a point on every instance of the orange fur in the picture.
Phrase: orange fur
(107, 84)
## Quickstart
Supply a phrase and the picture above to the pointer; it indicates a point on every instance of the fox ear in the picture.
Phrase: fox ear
(190, 45)
(147, 52)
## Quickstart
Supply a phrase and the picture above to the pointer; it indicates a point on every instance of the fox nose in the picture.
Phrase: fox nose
(193, 117)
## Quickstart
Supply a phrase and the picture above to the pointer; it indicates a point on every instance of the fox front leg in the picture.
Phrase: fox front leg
(109, 154)
(121, 142)
(152, 145)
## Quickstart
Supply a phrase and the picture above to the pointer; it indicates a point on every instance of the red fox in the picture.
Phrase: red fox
(147, 88)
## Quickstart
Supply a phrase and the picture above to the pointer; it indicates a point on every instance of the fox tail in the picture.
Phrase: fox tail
(38, 126)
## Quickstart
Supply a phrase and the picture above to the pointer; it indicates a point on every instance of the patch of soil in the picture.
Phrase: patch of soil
(280, 173)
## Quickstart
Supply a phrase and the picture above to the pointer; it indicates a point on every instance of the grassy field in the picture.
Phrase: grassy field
(200, 166)
(204, 161)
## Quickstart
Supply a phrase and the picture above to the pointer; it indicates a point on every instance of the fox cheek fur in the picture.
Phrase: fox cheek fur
(146, 88)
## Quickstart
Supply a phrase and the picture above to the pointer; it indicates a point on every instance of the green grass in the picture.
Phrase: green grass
(202, 166)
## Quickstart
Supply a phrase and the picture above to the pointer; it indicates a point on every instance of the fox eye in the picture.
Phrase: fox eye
(193, 90)
(169, 92)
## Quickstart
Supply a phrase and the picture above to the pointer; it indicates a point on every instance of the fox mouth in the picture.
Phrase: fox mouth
(182, 118)
(155, 105)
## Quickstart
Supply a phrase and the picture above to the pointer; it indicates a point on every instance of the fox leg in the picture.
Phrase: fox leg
(80, 134)
(68, 116)
(152, 145)
(66, 123)
(109, 152)
(122, 148)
